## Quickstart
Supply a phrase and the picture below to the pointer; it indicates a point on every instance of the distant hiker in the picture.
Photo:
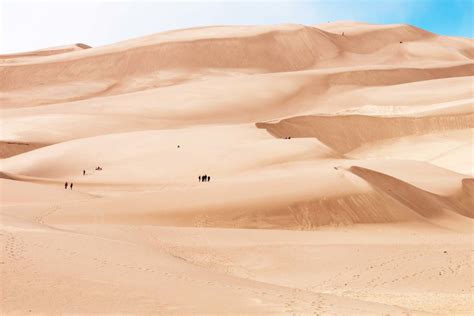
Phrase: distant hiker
(83, 172)
(199, 178)
(71, 186)
(208, 178)
(65, 185)
(178, 146)
(204, 178)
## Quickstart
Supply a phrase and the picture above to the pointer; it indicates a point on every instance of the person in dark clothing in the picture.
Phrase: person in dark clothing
(65, 185)
(83, 172)
(199, 178)
(208, 178)
(204, 178)
(71, 186)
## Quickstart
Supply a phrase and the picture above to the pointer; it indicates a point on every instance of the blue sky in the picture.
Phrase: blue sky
(29, 25)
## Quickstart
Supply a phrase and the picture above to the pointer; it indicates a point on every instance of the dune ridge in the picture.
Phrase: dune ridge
(344, 133)
(258, 49)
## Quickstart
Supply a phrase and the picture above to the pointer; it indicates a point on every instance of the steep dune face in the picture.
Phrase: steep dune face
(291, 48)
(9, 149)
(359, 134)
(347, 132)
(427, 204)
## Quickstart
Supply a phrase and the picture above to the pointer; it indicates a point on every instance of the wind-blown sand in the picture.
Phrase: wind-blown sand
(341, 173)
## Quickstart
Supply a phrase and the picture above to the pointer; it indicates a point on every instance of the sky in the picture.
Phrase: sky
(30, 25)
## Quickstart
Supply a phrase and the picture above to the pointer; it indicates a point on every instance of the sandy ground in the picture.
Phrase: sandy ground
(341, 173)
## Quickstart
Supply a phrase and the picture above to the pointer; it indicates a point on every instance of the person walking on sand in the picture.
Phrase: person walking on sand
(65, 185)
(199, 178)
(83, 172)
(208, 178)
(71, 186)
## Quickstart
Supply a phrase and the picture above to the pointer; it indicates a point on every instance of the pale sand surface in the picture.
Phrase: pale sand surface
(366, 210)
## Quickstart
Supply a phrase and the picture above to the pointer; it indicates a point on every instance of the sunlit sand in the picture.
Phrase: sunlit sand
(340, 159)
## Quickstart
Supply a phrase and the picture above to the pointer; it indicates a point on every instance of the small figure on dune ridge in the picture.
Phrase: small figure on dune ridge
(65, 185)
(71, 185)
(83, 172)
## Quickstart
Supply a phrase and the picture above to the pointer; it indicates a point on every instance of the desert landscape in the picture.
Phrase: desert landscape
(339, 157)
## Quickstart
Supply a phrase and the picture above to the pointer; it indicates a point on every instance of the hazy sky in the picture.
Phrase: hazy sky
(29, 25)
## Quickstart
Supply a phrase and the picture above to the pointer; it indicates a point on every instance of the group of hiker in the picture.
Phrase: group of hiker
(204, 178)
(70, 185)
(98, 168)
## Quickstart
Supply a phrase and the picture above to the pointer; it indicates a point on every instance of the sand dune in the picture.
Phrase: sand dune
(8, 149)
(22, 57)
(246, 49)
(340, 158)
(344, 133)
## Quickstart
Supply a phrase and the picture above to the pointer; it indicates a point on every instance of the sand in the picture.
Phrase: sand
(341, 173)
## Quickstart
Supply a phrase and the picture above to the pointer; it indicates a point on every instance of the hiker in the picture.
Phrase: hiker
(83, 172)
(208, 178)
(199, 178)
(178, 146)
(71, 186)
(204, 178)
(65, 185)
